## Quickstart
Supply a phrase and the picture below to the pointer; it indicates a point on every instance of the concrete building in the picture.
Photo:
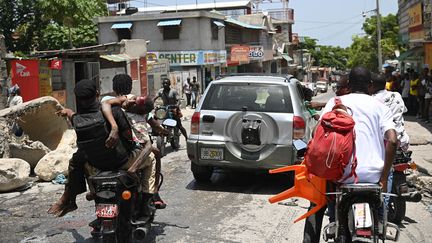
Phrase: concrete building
(415, 32)
(193, 41)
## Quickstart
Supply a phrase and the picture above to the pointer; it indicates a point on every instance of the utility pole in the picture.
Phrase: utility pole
(380, 61)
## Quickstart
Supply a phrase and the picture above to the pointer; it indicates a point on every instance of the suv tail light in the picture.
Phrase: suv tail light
(195, 123)
(299, 127)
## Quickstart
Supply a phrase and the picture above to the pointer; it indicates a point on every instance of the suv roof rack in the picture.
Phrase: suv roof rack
(287, 77)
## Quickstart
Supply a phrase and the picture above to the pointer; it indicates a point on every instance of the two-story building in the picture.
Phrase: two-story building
(193, 41)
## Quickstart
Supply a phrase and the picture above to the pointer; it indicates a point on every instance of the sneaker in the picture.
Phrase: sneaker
(158, 202)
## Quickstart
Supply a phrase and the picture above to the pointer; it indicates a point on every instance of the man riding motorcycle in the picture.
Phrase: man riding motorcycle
(373, 125)
(170, 97)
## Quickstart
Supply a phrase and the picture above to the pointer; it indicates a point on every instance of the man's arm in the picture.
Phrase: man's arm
(106, 110)
(390, 151)
(66, 113)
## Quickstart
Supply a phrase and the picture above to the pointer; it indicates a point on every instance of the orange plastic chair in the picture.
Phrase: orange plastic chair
(306, 186)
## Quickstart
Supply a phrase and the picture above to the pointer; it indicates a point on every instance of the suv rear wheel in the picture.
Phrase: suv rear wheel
(201, 173)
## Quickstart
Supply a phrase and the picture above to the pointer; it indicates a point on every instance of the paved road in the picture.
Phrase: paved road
(232, 208)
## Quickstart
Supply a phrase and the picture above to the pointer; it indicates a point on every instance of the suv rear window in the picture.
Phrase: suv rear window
(256, 97)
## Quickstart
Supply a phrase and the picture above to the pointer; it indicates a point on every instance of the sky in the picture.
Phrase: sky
(331, 22)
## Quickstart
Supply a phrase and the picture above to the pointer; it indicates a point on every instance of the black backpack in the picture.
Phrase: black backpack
(92, 132)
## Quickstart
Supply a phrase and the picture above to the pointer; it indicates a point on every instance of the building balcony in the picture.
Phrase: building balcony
(282, 15)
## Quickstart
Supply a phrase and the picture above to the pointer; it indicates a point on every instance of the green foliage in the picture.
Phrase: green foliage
(47, 24)
(325, 55)
(364, 50)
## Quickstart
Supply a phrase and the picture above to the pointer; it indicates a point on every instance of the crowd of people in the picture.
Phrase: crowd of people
(415, 89)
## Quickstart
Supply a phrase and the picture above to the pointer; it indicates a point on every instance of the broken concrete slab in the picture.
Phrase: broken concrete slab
(14, 173)
(31, 153)
(54, 163)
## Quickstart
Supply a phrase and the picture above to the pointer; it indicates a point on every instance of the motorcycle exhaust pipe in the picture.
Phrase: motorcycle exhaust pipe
(412, 196)
(140, 233)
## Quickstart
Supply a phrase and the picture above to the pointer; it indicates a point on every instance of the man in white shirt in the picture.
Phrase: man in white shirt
(373, 126)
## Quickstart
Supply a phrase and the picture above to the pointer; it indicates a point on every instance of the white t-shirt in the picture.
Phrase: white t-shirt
(395, 103)
(14, 100)
(405, 88)
(372, 120)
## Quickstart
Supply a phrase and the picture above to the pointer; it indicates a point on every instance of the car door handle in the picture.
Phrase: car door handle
(208, 118)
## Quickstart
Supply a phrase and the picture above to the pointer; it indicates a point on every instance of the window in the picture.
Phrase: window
(256, 97)
(123, 34)
(171, 32)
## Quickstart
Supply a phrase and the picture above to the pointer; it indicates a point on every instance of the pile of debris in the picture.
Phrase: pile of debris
(44, 148)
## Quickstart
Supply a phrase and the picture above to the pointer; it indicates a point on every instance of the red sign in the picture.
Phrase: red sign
(56, 64)
(240, 53)
(25, 73)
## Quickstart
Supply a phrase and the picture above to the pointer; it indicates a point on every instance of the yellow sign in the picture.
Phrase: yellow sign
(428, 54)
(45, 86)
(415, 16)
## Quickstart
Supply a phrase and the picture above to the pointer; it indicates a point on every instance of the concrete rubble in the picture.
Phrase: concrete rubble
(14, 173)
(47, 143)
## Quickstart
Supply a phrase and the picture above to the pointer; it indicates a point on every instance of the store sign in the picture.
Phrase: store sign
(213, 57)
(190, 58)
(415, 26)
(56, 64)
(240, 53)
(157, 67)
(256, 52)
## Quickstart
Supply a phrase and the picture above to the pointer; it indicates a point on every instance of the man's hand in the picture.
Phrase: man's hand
(65, 112)
(316, 105)
(113, 138)
(383, 184)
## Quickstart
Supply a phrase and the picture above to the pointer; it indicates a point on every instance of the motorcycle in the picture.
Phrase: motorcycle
(166, 115)
(397, 205)
(357, 215)
(120, 208)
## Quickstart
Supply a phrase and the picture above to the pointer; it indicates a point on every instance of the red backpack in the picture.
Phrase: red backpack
(333, 145)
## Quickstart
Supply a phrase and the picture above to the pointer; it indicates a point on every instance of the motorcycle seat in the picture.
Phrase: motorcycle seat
(360, 187)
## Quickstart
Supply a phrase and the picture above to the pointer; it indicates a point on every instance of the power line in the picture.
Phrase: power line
(332, 23)
(338, 33)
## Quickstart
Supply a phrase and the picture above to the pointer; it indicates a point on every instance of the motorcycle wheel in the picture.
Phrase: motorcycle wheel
(175, 140)
(397, 205)
(160, 143)
(396, 210)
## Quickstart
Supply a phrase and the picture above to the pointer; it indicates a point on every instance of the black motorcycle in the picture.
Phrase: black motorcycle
(397, 205)
(358, 216)
(166, 114)
(123, 213)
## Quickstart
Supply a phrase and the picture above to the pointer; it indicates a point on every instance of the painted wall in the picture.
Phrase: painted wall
(195, 34)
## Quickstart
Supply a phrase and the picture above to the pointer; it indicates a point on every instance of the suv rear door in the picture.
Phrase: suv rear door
(229, 107)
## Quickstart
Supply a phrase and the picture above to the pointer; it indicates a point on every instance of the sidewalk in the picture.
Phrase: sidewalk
(420, 143)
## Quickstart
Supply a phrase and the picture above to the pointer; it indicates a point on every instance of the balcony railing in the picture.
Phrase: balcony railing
(282, 15)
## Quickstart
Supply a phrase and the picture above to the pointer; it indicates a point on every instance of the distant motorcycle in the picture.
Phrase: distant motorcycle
(397, 205)
(119, 208)
(166, 115)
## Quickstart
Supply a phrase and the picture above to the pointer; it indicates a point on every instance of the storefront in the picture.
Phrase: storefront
(204, 65)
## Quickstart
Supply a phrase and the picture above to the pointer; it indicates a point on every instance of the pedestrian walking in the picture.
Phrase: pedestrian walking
(427, 99)
(405, 85)
(195, 88)
(187, 91)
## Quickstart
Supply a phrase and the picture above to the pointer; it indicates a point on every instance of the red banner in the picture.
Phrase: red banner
(25, 73)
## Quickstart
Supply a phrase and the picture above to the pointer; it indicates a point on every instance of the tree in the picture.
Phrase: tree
(74, 16)
(328, 56)
(364, 49)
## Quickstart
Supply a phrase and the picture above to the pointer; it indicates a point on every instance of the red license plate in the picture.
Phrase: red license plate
(106, 210)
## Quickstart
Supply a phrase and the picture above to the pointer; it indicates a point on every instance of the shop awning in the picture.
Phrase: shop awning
(243, 24)
(175, 22)
(218, 23)
(416, 53)
(121, 26)
(116, 57)
(287, 57)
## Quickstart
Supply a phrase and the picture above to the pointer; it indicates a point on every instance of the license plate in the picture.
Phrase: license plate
(106, 210)
(212, 153)
(362, 215)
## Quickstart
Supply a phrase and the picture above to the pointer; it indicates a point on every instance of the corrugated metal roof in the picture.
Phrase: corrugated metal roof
(116, 57)
(199, 6)
(243, 24)
(287, 57)
(121, 26)
(218, 23)
(169, 22)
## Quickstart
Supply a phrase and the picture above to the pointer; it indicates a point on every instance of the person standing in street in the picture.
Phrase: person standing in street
(14, 96)
(195, 88)
(405, 85)
(187, 91)
(413, 102)
(427, 99)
